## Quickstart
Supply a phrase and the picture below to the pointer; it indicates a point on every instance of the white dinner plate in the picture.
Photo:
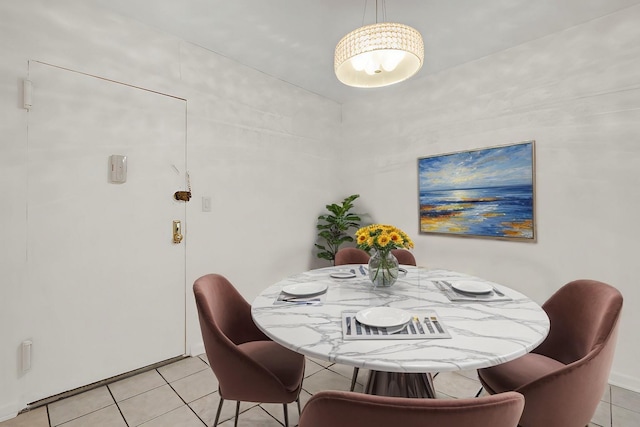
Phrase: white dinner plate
(471, 287)
(305, 289)
(343, 274)
(383, 317)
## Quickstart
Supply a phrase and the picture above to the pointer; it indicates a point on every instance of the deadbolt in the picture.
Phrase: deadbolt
(177, 232)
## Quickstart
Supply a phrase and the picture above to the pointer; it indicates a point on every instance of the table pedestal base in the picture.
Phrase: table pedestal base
(400, 384)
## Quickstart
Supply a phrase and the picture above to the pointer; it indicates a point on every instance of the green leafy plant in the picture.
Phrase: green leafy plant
(333, 227)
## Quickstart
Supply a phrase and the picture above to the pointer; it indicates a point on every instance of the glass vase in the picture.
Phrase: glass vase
(383, 268)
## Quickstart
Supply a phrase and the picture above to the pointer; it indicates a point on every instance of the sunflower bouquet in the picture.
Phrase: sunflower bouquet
(381, 239)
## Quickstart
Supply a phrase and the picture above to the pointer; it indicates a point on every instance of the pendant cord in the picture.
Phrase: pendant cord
(383, 7)
(364, 14)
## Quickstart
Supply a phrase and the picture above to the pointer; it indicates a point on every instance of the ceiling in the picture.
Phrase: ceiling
(294, 40)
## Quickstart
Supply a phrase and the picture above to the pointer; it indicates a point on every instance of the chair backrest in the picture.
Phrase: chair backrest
(404, 257)
(347, 409)
(351, 256)
(582, 315)
(225, 322)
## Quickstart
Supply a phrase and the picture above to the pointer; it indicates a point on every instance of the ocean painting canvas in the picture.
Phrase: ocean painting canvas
(486, 192)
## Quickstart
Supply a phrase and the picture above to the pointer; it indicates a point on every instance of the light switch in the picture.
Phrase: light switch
(206, 204)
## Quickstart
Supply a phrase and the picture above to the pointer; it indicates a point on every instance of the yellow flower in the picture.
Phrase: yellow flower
(396, 238)
(383, 240)
(362, 238)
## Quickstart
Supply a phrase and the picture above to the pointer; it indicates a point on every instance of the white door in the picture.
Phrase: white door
(106, 280)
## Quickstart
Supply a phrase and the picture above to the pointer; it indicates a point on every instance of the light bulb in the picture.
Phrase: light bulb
(371, 68)
(358, 62)
(391, 59)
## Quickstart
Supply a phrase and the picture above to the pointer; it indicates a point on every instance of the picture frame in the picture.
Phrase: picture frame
(484, 192)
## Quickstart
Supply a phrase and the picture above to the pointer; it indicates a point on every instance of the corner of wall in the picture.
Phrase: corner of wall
(196, 349)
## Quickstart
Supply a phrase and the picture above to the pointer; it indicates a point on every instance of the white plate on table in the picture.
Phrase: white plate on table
(343, 274)
(383, 317)
(305, 289)
(472, 287)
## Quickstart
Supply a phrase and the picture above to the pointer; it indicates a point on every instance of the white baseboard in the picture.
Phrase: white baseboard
(10, 411)
(625, 381)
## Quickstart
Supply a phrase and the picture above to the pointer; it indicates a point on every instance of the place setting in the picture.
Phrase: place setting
(360, 271)
(311, 293)
(343, 273)
(379, 323)
(470, 290)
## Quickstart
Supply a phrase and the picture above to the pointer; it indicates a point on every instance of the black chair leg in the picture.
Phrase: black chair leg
(354, 378)
(215, 423)
(235, 424)
(286, 415)
(298, 402)
(479, 392)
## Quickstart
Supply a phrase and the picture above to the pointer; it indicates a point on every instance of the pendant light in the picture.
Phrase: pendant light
(379, 54)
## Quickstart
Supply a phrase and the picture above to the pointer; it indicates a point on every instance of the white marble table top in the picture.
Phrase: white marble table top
(483, 333)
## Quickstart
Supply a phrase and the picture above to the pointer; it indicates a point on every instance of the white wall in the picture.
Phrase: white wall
(260, 148)
(577, 93)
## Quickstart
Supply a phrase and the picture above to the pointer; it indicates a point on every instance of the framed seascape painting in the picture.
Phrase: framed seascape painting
(488, 192)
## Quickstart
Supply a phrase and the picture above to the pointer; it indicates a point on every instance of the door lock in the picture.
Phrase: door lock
(177, 234)
(185, 196)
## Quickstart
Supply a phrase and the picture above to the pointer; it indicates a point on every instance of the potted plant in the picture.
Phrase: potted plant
(333, 227)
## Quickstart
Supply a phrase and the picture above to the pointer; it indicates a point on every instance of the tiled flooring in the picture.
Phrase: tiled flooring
(184, 394)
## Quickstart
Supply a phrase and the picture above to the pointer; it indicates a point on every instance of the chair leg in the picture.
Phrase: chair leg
(354, 378)
(215, 423)
(298, 402)
(478, 393)
(286, 415)
(235, 424)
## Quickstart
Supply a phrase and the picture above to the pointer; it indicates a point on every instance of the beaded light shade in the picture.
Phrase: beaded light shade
(378, 55)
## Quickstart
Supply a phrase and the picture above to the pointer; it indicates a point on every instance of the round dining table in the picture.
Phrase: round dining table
(481, 329)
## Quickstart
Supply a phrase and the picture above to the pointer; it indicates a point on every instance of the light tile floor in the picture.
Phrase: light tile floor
(184, 394)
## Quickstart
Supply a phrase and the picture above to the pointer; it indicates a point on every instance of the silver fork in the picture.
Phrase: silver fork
(497, 292)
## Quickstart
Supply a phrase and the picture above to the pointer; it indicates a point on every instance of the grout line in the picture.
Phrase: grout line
(118, 406)
(98, 384)
(280, 422)
(610, 408)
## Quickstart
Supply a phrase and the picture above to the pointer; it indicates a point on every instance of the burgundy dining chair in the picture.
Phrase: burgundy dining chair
(351, 256)
(348, 409)
(249, 366)
(563, 379)
(404, 257)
